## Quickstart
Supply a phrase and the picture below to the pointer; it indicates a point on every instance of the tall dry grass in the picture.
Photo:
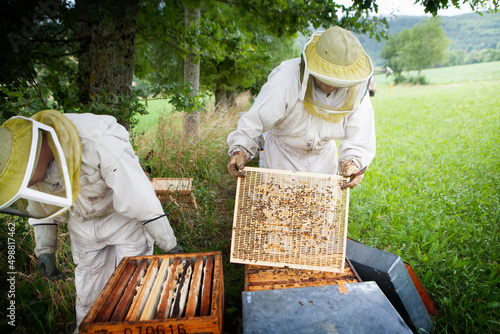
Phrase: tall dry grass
(166, 152)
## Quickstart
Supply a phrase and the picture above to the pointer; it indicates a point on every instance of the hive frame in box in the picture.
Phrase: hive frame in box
(208, 318)
(287, 219)
(259, 278)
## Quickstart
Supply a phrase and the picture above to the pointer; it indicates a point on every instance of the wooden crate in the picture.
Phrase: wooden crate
(270, 278)
(133, 299)
(176, 190)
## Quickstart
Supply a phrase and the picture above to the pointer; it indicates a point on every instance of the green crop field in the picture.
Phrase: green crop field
(431, 196)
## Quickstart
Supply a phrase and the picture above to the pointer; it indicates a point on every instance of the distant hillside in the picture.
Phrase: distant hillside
(467, 32)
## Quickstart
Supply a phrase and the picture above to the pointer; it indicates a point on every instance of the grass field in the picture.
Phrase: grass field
(452, 75)
(431, 196)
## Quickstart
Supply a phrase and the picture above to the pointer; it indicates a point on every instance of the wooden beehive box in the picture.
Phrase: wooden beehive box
(270, 278)
(286, 219)
(176, 190)
(181, 293)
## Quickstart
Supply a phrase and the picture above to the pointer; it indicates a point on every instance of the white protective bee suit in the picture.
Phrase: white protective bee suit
(106, 220)
(297, 140)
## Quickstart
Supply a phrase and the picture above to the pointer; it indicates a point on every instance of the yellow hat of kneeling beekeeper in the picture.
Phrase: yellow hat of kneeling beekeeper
(336, 58)
(21, 140)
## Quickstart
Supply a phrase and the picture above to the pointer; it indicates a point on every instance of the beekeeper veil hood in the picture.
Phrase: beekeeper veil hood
(21, 143)
(336, 58)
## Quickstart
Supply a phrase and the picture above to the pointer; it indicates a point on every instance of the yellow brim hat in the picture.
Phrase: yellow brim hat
(336, 58)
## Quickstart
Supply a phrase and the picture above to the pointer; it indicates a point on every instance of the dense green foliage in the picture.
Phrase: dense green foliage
(41, 42)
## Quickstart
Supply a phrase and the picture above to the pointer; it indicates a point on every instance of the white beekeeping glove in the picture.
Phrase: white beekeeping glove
(160, 230)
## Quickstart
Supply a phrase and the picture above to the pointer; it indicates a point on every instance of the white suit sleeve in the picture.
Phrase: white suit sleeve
(359, 142)
(269, 107)
(133, 194)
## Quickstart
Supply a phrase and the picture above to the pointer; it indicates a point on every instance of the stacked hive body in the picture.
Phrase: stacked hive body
(259, 278)
(285, 219)
(181, 293)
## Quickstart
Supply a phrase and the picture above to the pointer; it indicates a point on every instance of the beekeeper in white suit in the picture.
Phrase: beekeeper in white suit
(308, 103)
(82, 165)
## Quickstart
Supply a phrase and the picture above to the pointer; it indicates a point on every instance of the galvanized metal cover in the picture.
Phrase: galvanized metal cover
(322, 309)
(390, 274)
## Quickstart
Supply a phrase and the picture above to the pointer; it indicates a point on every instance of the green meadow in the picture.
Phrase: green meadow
(431, 196)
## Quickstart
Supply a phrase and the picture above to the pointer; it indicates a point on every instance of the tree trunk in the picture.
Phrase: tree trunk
(192, 75)
(221, 99)
(106, 57)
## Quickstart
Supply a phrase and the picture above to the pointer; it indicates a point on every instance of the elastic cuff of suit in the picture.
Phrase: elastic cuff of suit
(151, 220)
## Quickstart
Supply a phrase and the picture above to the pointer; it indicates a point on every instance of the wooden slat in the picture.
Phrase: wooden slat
(127, 297)
(154, 296)
(217, 303)
(202, 325)
(426, 299)
(177, 306)
(169, 284)
(106, 291)
(110, 304)
(143, 291)
(194, 289)
(206, 290)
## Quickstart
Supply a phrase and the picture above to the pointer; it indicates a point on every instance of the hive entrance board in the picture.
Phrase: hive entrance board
(298, 220)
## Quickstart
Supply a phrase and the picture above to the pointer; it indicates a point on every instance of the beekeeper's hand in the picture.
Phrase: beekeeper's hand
(176, 250)
(161, 232)
(46, 245)
(350, 169)
(237, 164)
(47, 267)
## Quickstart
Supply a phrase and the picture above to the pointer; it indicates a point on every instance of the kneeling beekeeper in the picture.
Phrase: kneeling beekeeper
(82, 165)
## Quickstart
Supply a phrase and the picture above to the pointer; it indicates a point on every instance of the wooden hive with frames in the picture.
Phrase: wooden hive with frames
(286, 219)
(181, 293)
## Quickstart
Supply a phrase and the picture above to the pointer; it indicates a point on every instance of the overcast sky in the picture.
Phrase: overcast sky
(407, 7)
